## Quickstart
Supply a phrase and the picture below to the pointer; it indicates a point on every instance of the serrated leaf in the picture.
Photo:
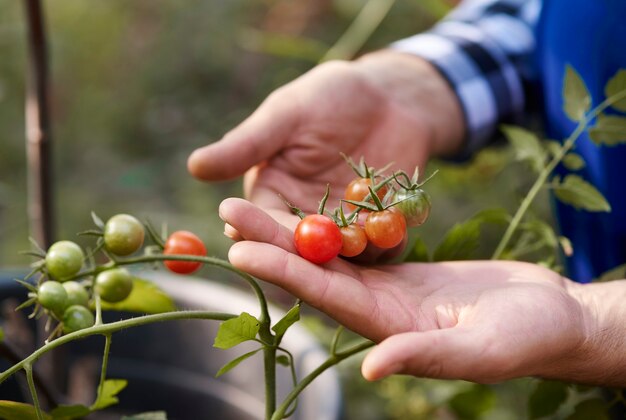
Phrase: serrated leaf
(68, 412)
(283, 360)
(616, 85)
(237, 330)
(290, 318)
(595, 408)
(97, 220)
(546, 398)
(573, 161)
(19, 411)
(526, 145)
(145, 298)
(149, 415)
(230, 365)
(107, 395)
(576, 97)
(459, 243)
(471, 404)
(610, 130)
(418, 252)
(577, 192)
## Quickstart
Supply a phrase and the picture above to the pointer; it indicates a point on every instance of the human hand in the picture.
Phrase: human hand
(484, 321)
(385, 107)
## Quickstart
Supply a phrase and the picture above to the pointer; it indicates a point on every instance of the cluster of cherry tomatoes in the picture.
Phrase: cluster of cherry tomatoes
(392, 204)
(65, 293)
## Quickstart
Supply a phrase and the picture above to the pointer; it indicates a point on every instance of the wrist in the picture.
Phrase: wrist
(601, 358)
(419, 88)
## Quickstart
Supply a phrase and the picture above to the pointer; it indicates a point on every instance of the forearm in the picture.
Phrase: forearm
(601, 359)
(417, 87)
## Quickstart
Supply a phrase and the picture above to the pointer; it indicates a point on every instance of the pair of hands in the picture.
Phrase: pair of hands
(479, 321)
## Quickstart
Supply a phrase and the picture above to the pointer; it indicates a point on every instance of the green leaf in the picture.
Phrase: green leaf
(543, 231)
(418, 252)
(595, 408)
(107, 395)
(149, 415)
(145, 297)
(616, 273)
(1, 335)
(576, 98)
(68, 412)
(19, 411)
(287, 321)
(546, 398)
(553, 147)
(573, 161)
(616, 85)
(459, 243)
(577, 192)
(283, 360)
(237, 330)
(497, 216)
(610, 130)
(230, 365)
(471, 404)
(97, 220)
(526, 145)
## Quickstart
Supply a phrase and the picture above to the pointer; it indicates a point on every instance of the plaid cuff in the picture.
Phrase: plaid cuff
(482, 52)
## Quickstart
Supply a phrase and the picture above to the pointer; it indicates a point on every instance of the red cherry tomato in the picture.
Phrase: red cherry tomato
(317, 238)
(358, 190)
(183, 243)
(354, 240)
(386, 228)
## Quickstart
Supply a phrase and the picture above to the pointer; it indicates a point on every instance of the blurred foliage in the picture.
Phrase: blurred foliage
(136, 86)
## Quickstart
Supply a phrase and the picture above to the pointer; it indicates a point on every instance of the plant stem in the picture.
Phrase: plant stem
(111, 328)
(335, 341)
(543, 175)
(28, 368)
(269, 361)
(332, 360)
(105, 363)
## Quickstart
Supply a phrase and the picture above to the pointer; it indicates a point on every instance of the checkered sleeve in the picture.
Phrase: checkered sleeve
(482, 49)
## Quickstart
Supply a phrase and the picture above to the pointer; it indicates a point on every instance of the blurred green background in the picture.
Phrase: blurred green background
(136, 86)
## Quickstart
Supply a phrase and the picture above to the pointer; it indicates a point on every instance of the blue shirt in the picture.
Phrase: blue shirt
(493, 51)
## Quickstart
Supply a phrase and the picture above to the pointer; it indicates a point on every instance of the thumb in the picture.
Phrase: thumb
(256, 139)
(451, 353)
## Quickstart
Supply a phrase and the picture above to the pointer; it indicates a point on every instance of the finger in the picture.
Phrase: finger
(451, 353)
(339, 295)
(232, 233)
(253, 224)
(256, 139)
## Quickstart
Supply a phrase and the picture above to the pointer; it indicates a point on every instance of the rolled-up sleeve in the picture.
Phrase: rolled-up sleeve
(483, 49)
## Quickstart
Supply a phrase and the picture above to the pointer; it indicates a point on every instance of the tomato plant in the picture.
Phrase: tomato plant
(183, 242)
(385, 228)
(77, 318)
(64, 259)
(414, 204)
(123, 234)
(114, 285)
(317, 238)
(51, 295)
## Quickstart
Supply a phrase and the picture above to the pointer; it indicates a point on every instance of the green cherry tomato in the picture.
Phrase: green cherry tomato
(64, 259)
(52, 295)
(114, 285)
(76, 293)
(77, 318)
(123, 234)
(414, 205)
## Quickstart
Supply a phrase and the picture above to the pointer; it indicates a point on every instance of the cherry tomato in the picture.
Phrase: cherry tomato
(64, 259)
(414, 205)
(76, 318)
(183, 243)
(123, 234)
(51, 295)
(354, 240)
(114, 285)
(76, 293)
(317, 238)
(358, 190)
(386, 228)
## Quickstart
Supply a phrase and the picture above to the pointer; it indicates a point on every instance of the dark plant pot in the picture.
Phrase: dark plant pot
(171, 366)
